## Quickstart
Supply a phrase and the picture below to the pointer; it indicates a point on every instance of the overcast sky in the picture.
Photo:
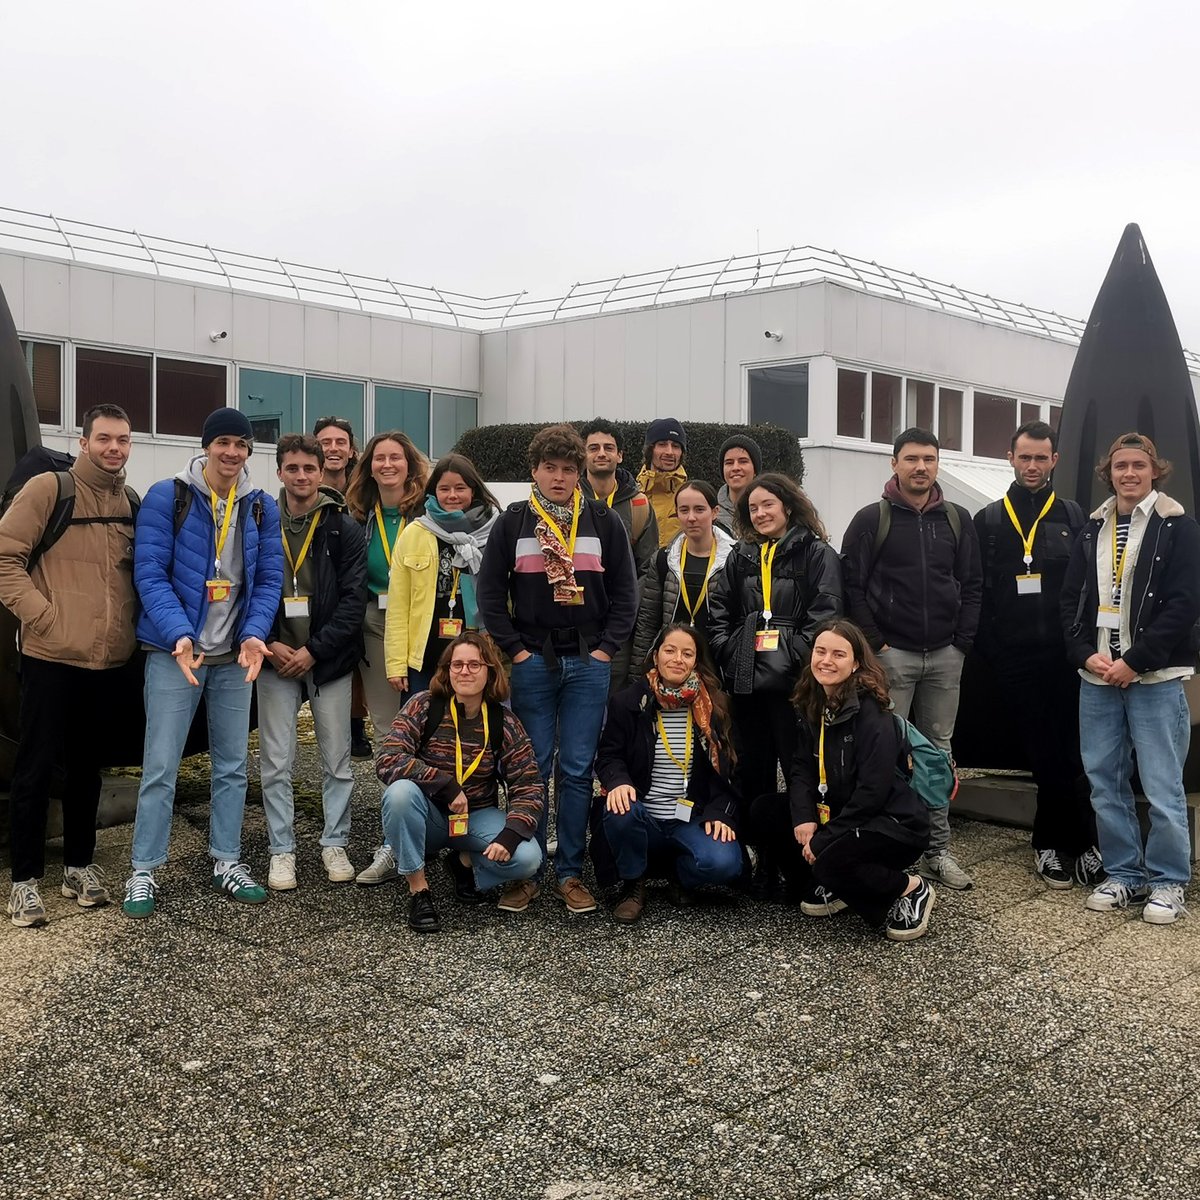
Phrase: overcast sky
(490, 147)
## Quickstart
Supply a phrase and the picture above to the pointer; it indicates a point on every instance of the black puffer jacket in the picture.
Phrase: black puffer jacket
(866, 792)
(806, 591)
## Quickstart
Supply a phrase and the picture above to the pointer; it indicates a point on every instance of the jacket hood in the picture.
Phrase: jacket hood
(327, 497)
(649, 479)
(892, 493)
(725, 544)
(627, 486)
(193, 473)
(1164, 505)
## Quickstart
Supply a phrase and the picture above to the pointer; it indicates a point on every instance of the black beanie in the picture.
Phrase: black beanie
(666, 429)
(745, 442)
(226, 422)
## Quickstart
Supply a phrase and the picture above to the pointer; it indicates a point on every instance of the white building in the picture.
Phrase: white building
(843, 352)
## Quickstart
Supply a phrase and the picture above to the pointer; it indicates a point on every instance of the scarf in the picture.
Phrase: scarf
(560, 566)
(466, 533)
(690, 692)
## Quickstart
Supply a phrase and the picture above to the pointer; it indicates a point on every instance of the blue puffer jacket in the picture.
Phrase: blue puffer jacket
(170, 572)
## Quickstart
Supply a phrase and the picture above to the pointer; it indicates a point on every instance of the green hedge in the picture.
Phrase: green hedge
(499, 450)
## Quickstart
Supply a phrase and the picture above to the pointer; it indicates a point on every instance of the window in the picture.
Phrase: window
(333, 398)
(113, 377)
(452, 417)
(406, 409)
(186, 393)
(44, 361)
(886, 410)
(851, 403)
(950, 418)
(273, 402)
(779, 396)
(1054, 417)
(1030, 412)
(995, 423)
(918, 406)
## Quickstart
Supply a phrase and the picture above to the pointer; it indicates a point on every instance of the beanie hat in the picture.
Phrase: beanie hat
(745, 442)
(226, 422)
(666, 429)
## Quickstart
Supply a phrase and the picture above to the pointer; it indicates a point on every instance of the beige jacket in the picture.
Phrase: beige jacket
(78, 607)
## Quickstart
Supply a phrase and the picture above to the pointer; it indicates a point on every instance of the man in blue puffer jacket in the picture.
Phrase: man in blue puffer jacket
(208, 569)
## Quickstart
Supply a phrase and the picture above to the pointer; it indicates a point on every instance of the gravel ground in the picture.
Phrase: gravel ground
(314, 1047)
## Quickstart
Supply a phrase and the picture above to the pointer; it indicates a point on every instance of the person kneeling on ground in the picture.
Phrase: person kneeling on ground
(442, 762)
(858, 822)
(664, 759)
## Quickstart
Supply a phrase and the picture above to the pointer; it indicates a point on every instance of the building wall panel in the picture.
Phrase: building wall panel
(91, 305)
(609, 397)
(548, 349)
(579, 370)
(47, 298)
(320, 340)
(12, 283)
(354, 344)
(447, 359)
(175, 317)
(417, 353)
(132, 310)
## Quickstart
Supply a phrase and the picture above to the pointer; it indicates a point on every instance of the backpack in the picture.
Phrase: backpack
(495, 713)
(183, 504)
(39, 461)
(928, 769)
(885, 525)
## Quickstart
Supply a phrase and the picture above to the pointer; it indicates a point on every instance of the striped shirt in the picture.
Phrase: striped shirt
(1114, 637)
(667, 782)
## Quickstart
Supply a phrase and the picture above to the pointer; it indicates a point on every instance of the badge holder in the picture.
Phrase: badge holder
(218, 590)
(451, 626)
(458, 824)
(683, 809)
(1108, 616)
(1029, 585)
(295, 606)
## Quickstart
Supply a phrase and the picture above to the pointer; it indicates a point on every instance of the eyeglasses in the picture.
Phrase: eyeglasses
(467, 668)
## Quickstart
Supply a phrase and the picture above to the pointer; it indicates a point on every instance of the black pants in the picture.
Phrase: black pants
(768, 828)
(63, 716)
(764, 730)
(1041, 693)
(867, 870)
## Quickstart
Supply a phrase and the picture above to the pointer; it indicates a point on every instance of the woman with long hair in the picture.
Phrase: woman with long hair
(676, 586)
(442, 762)
(856, 822)
(431, 594)
(664, 760)
(778, 587)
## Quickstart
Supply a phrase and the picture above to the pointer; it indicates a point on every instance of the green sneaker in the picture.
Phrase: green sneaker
(237, 882)
(140, 891)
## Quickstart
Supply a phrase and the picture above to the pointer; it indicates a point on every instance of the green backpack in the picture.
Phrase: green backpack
(928, 769)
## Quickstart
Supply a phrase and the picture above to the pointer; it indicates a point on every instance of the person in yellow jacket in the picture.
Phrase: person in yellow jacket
(431, 590)
(664, 473)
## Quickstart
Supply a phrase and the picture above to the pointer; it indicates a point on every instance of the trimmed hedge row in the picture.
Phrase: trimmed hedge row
(499, 451)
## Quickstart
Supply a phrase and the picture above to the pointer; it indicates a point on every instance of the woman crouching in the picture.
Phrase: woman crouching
(442, 762)
(664, 759)
(855, 818)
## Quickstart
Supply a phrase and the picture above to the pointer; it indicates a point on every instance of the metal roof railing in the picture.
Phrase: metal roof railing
(81, 241)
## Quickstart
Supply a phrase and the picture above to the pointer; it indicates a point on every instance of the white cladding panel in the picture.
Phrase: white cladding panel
(91, 305)
(12, 281)
(286, 335)
(493, 401)
(641, 366)
(548, 373)
(519, 368)
(132, 311)
(354, 344)
(673, 362)
(610, 366)
(447, 361)
(174, 317)
(250, 330)
(387, 349)
(320, 340)
(417, 353)
(214, 314)
(706, 362)
(579, 370)
(47, 298)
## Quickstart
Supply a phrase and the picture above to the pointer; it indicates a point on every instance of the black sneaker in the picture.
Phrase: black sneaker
(1089, 868)
(908, 918)
(464, 879)
(360, 746)
(422, 916)
(1050, 870)
(766, 884)
(821, 902)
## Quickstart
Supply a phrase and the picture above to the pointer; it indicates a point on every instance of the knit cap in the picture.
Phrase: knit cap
(745, 442)
(226, 422)
(666, 429)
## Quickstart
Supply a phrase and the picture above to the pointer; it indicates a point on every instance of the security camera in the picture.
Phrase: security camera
(218, 335)
(773, 335)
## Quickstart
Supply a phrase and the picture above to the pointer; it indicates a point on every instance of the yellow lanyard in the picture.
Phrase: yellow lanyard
(381, 525)
(822, 782)
(686, 765)
(223, 532)
(453, 588)
(1119, 560)
(683, 592)
(297, 563)
(610, 497)
(768, 562)
(552, 524)
(459, 774)
(1027, 542)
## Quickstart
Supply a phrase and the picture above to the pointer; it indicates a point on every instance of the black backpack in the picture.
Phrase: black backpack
(38, 461)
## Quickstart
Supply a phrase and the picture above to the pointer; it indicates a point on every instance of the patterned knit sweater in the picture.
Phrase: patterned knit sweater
(434, 774)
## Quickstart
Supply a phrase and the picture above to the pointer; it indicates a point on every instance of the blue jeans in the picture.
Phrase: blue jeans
(416, 827)
(701, 861)
(171, 703)
(278, 703)
(1153, 720)
(567, 706)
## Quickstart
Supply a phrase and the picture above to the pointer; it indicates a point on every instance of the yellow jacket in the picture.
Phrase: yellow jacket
(412, 593)
(661, 487)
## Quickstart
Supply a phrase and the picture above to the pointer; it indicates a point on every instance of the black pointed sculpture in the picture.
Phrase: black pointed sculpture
(1129, 374)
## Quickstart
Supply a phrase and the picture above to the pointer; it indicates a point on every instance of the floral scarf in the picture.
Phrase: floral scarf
(560, 566)
(690, 692)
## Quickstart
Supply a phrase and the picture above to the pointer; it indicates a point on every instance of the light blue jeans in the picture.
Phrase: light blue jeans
(564, 707)
(1152, 720)
(171, 703)
(278, 703)
(415, 827)
(924, 689)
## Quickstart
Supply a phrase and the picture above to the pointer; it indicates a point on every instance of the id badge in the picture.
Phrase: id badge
(218, 590)
(766, 639)
(449, 627)
(381, 599)
(575, 598)
(1108, 616)
(683, 809)
(823, 814)
(1029, 585)
(295, 606)
(458, 824)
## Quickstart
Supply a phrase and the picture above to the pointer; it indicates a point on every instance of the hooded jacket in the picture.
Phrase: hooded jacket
(170, 572)
(627, 497)
(77, 606)
(660, 487)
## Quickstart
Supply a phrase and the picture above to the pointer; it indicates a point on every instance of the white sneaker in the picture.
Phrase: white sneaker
(337, 864)
(281, 877)
(1165, 905)
(382, 868)
(1112, 895)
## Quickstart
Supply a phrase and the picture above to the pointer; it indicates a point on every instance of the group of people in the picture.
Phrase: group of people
(687, 647)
